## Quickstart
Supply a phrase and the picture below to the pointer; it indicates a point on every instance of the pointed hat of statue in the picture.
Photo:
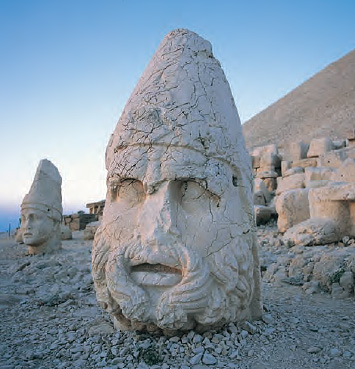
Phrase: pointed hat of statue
(183, 99)
(45, 193)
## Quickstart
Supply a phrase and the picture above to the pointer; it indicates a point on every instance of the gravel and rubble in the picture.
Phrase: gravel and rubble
(49, 317)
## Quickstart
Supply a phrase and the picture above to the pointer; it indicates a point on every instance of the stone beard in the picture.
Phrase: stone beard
(175, 250)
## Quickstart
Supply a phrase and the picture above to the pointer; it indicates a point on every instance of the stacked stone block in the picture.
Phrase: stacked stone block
(266, 163)
(315, 193)
(78, 221)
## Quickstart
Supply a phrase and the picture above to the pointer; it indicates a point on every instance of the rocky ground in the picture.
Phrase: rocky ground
(50, 319)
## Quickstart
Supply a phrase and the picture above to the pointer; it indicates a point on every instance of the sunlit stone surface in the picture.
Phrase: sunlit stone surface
(176, 249)
(41, 210)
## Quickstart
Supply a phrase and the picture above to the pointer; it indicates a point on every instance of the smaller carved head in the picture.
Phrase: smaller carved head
(37, 227)
(41, 210)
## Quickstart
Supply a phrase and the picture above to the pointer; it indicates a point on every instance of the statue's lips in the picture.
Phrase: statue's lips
(158, 275)
(27, 234)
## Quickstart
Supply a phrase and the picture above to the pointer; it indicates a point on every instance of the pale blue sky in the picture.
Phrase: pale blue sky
(67, 68)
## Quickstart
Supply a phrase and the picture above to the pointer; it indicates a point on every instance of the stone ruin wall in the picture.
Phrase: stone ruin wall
(291, 188)
(78, 221)
(312, 195)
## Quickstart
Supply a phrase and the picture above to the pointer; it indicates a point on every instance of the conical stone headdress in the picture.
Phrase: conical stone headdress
(45, 193)
(183, 99)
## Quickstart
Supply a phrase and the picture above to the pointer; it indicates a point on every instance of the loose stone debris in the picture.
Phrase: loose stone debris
(50, 318)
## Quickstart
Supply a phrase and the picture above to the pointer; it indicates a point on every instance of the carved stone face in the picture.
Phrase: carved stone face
(37, 227)
(38, 230)
(174, 250)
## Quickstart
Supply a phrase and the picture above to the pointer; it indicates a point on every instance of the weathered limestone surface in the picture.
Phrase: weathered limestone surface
(329, 173)
(303, 163)
(90, 230)
(292, 208)
(332, 216)
(336, 158)
(263, 213)
(41, 210)
(79, 221)
(345, 173)
(173, 252)
(298, 150)
(317, 174)
(291, 182)
(335, 202)
(313, 231)
(291, 171)
(66, 233)
(319, 146)
(259, 186)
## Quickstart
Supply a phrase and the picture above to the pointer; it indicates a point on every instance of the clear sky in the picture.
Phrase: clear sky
(67, 68)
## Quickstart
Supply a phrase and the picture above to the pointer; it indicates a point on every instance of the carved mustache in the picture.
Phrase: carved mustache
(190, 295)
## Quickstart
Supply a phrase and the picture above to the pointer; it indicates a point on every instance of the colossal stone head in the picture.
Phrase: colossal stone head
(176, 249)
(41, 210)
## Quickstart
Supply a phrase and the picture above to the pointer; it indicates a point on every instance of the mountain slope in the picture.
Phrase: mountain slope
(324, 105)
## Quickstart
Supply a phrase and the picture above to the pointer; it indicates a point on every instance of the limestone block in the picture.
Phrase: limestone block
(290, 183)
(267, 149)
(255, 162)
(317, 183)
(339, 144)
(351, 135)
(266, 173)
(337, 191)
(177, 247)
(292, 171)
(313, 231)
(298, 150)
(319, 146)
(345, 173)
(347, 282)
(270, 184)
(333, 159)
(337, 203)
(331, 268)
(41, 210)
(65, 232)
(292, 208)
(270, 160)
(259, 198)
(263, 214)
(75, 224)
(260, 186)
(318, 173)
(90, 230)
(310, 162)
(285, 165)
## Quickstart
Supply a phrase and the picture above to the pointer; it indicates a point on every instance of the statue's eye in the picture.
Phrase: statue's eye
(193, 195)
(128, 190)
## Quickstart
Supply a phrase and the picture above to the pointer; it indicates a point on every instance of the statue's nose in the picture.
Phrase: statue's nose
(160, 210)
(26, 224)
